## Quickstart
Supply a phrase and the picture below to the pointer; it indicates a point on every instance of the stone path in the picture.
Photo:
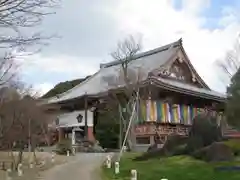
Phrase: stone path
(83, 167)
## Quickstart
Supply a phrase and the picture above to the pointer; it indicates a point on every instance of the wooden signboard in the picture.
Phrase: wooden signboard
(161, 129)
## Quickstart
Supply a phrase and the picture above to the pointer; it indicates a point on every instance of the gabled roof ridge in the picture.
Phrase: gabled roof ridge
(75, 87)
(165, 48)
(113, 63)
(194, 70)
(146, 53)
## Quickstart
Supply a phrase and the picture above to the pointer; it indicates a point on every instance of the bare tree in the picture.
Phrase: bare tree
(23, 122)
(124, 86)
(230, 63)
(17, 16)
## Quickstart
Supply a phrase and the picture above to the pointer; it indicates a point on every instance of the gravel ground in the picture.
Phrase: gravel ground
(83, 167)
(30, 174)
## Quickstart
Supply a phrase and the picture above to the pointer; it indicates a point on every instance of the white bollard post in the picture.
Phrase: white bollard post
(43, 162)
(53, 158)
(68, 153)
(124, 148)
(31, 165)
(108, 162)
(74, 151)
(133, 174)
(8, 176)
(116, 167)
(20, 171)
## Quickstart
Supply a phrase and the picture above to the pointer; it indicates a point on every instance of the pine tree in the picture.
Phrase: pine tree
(233, 101)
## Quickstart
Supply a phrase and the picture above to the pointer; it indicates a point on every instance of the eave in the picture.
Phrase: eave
(153, 81)
(159, 83)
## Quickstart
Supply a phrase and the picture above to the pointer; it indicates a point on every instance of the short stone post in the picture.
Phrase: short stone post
(43, 162)
(133, 174)
(31, 165)
(108, 162)
(116, 167)
(53, 157)
(74, 151)
(68, 153)
(8, 176)
(124, 148)
(19, 168)
(12, 166)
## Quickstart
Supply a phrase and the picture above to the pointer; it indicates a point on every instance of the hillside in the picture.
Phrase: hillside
(63, 86)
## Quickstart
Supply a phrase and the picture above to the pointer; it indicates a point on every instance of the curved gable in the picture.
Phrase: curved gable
(180, 68)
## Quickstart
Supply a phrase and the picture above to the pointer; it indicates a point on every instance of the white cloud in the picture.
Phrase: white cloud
(81, 66)
(66, 65)
(160, 23)
(42, 88)
(196, 6)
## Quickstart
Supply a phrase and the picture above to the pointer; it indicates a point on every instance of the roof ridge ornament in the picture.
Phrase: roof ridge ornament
(180, 41)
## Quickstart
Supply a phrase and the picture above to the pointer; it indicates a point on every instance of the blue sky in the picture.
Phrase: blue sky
(90, 30)
(212, 11)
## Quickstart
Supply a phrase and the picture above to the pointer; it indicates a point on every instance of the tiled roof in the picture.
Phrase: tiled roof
(188, 88)
(146, 62)
(96, 84)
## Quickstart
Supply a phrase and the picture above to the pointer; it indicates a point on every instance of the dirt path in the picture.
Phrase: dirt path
(83, 167)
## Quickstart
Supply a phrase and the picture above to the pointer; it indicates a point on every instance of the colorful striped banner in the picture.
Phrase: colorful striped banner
(143, 109)
(148, 111)
(157, 111)
(160, 112)
(153, 111)
(176, 116)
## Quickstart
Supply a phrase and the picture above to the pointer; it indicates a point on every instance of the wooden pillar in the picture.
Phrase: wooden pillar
(73, 137)
(85, 116)
(60, 134)
(120, 127)
(90, 134)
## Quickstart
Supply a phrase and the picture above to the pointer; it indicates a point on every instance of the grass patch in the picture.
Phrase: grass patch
(172, 168)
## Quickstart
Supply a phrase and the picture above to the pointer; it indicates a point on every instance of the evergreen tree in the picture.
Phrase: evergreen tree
(233, 101)
(63, 87)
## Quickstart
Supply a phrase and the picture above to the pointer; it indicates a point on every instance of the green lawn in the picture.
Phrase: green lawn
(172, 168)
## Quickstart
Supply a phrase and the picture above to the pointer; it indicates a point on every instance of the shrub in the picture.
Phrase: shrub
(234, 144)
(200, 154)
(204, 132)
(180, 150)
(174, 144)
(63, 146)
(152, 148)
(206, 128)
(194, 143)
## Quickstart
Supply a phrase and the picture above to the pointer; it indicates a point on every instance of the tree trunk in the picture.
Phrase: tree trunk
(13, 160)
(20, 154)
(35, 157)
